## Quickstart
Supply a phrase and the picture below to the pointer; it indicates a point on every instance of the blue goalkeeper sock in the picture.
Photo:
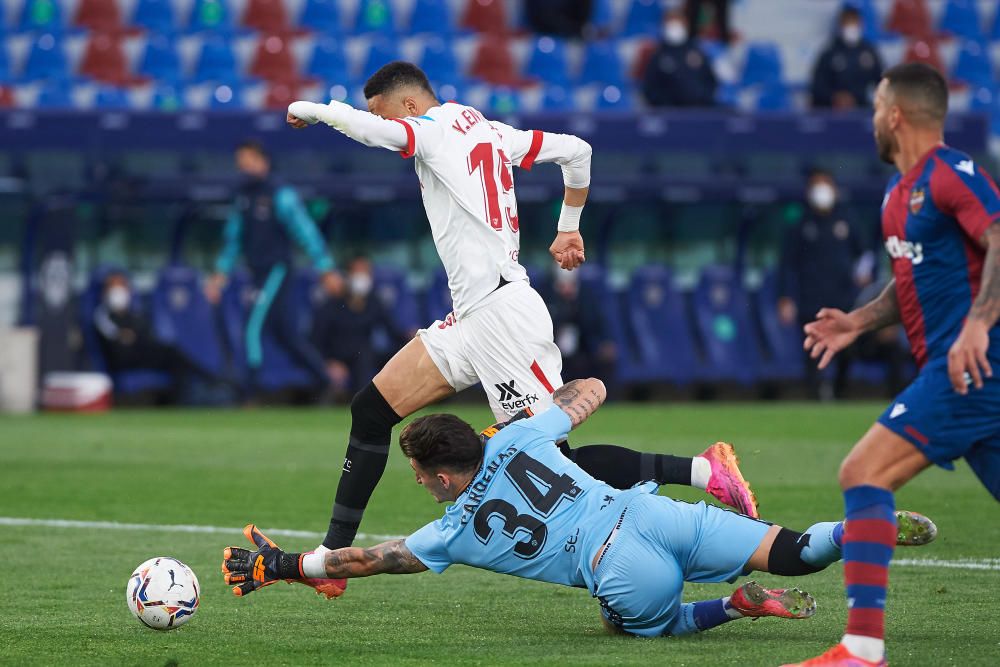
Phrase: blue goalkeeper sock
(825, 541)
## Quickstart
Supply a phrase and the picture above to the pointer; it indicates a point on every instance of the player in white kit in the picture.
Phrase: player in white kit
(499, 332)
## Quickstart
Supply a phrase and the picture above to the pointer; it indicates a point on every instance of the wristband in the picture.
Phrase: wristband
(569, 218)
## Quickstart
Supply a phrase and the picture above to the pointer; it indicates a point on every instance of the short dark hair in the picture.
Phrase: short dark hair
(922, 86)
(850, 11)
(255, 146)
(395, 75)
(442, 441)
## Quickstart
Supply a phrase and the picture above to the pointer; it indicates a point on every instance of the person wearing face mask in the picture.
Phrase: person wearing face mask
(824, 261)
(345, 328)
(265, 223)
(678, 73)
(847, 71)
(127, 340)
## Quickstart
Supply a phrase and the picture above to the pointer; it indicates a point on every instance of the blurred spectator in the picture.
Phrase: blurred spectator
(266, 220)
(679, 73)
(565, 18)
(849, 69)
(344, 330)
(720, 17)
(580, 331)
(887, 345)
(824, 261)
(127, 339)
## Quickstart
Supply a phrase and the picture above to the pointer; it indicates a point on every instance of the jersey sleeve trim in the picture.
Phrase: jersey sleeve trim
(411, 140)
(536, 146)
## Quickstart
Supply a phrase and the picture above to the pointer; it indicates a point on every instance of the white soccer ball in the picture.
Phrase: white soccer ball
(163, 593)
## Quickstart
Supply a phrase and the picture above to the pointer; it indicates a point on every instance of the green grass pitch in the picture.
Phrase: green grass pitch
(62, 592)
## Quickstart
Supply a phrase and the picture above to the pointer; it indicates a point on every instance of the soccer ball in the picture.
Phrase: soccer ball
(163, 593)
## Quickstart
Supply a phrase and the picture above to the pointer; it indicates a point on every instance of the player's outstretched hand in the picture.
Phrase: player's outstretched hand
(248, 571)
(967, 357)
(568, 250)
(828, 334)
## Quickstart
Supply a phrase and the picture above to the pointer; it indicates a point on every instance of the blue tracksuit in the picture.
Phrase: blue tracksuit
(266, 219)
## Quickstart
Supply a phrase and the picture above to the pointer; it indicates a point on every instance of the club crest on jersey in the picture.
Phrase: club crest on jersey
(916, 200)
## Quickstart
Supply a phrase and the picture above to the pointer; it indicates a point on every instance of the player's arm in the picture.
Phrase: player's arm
(580, 398)
(362, 126)
(833, 330)
(573, 155)
(986, 307)
(387, 558)
(226, 260)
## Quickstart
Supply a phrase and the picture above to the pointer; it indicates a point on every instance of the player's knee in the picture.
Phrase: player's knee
(852, 473)
(371, 414)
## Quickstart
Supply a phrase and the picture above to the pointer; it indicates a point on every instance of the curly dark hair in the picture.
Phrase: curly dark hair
(442, 441)
(394, 75)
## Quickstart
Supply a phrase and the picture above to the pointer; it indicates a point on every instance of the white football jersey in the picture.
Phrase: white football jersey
(464, 163)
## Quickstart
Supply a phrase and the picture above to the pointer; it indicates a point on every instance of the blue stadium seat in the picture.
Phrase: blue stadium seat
(328, 61)
(211, 15)
(226, 95)
(961, 18)
(40, 16)
(184, 318)
(762, 64)
(725, 328)
(643, 18)
(981, 99)
(655, 343)
(157, 16)
(431, 17)
(504, 100)
(128, 382)
(46, 60)
(994, 31)
(774, 97)
(557, 98)
(448, 92)
(336, 90)
(5, 75)
(278, 371)
(548, 61)
(216, 62)
(393, 290)
(54, 94)
(601, 64)
(614, 98)
(973, 66)
(602, 16)
(323, 16)
(382, 51)
(168, 96)
(781, 344)
(111, 98)
(439, 62)
(374, 16)
(160, 59)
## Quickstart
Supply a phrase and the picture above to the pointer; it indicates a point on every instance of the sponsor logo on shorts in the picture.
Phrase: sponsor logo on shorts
(511, 399)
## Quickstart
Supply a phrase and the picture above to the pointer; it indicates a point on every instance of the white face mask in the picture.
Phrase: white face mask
(675, 32)
(359, 284)
(118, 298)
(851, 33)
(822, 196)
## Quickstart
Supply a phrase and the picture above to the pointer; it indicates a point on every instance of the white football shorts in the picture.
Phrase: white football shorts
(506, 343)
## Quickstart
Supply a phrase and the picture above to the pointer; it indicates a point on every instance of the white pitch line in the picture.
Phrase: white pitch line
(172, 528)
(959, 564)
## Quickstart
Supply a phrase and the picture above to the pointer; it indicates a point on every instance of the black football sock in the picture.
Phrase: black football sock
(622, 468)
(372, 420)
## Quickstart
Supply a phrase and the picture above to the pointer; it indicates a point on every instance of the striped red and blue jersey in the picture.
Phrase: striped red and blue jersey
(932, 219)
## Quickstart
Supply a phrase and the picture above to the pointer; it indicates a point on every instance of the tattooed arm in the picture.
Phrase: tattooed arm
(967, 356)
(880, 312)
(386, 558)
(580, 398)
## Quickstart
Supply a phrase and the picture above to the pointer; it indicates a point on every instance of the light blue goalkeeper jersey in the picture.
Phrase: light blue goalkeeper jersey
(529, 512)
